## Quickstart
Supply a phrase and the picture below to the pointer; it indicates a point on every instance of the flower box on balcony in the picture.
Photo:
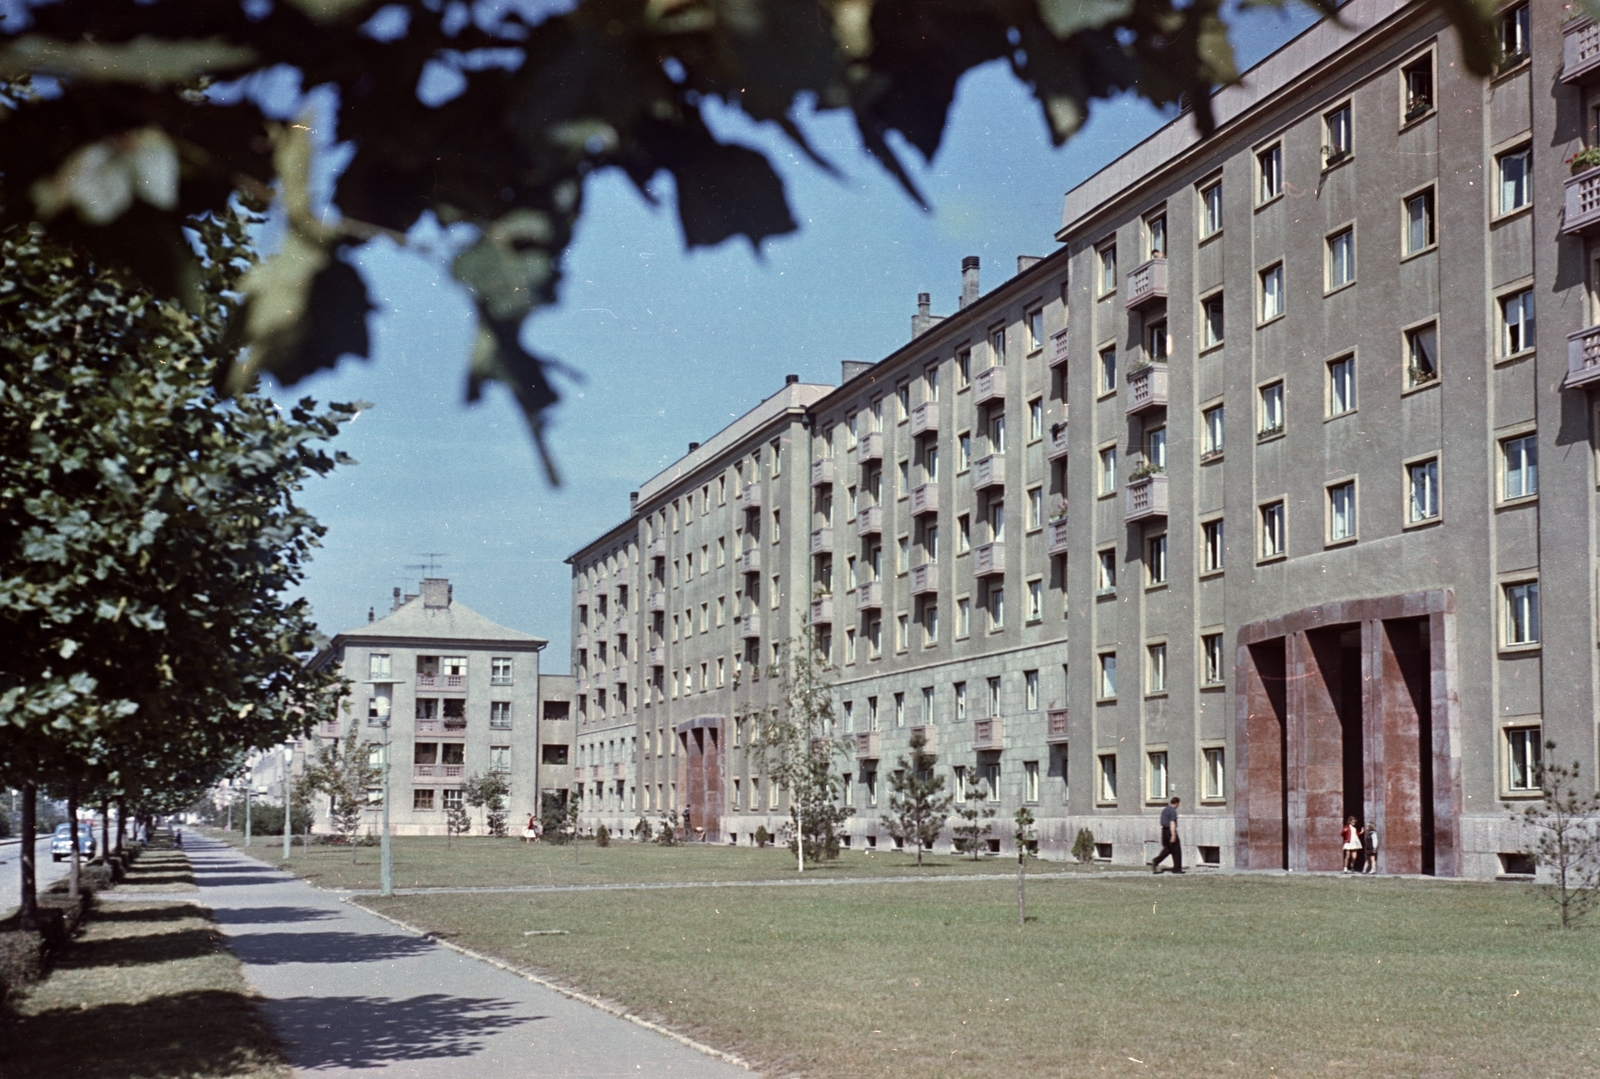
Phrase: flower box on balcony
(930, 736)
(867, 745)
(1058, 347)
(822, 611)
(869, 595)
(1058, 441)
(750, 560)
(1147, 497)
(1582, 210)
(870, 448)
(989, 471)
(924, 579)
(750, 497)
(1580, 50)
(1583, 358)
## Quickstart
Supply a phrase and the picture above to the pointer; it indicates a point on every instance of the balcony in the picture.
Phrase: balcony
(989, 471)
(989, 559)
(454, 727)
(822, 611)
(583, 685)
(930, 736)
(658, 600)
(1580, 50)
(581, 640)
(869, 521)
(619, 624)
(1583, 358)
(1056, 530)
(989, 385)
(1147, 497)
(924, 499)
(1055, 732)
(448, 683)
(822, 471)
(658, 547)
(869, 595)
(1057, 447)
(750, 560)
(1583, 202)
(867, 745)
(620, 673)
(438, 771)
(617, 770)
(870, 448)
(1058, 347)
(1147, 388)
(594, 771)
(1146, 283)
(987, 734)
(925, 419)
(749, 626)
(750, 497)
(822, 541)
(655, 657)
(924, 579)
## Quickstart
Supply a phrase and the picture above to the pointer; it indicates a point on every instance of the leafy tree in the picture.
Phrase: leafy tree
(343, 770)
(1565, 825)
(148, 533)
(642, 830)
(1023, 836)
(488, 792)
(133, 144)
(975, 815)
(918, 806)
(602, 836)
(554, 819)
(667, 831)
(1083, 846)
(457, 821)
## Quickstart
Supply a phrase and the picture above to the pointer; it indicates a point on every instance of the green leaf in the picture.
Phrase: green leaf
(102, 180)
(146, 60)
(334, 11)
(1068, 17)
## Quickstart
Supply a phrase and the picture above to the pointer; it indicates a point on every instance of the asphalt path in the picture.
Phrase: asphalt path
(349, 993)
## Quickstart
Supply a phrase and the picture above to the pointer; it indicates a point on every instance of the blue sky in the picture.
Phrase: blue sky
(671, 344)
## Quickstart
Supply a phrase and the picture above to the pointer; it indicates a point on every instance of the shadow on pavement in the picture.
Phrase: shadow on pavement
(273, 949)
(366, 1032)
(267, 915)
(146, 911)
(214, 880)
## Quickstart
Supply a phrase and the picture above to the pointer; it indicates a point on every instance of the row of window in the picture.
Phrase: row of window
(380, 667)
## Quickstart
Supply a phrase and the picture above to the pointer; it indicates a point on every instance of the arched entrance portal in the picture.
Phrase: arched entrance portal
(700, 778)
(1349, 709)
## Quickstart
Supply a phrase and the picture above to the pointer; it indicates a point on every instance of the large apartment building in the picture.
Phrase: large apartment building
(1237, 495)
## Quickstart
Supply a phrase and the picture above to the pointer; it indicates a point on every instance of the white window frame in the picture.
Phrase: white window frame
(1519, 462)
(1341, 260)
(1157, 776)
(1417, 511)
(1518, 324)
(1270, 420)
(1272, 524)
(1524, 757)
(1513, 175)
(1341, 507)
(1520, 614)
(1270, 284)
(1213, 671)
(1269, 173)
(1155, 669)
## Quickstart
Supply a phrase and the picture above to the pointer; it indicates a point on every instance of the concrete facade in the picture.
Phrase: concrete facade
(1261, 490)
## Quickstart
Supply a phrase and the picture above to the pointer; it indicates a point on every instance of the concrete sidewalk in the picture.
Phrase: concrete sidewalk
(349, 993)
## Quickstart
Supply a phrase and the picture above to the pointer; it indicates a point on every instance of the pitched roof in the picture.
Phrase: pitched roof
(454, 622)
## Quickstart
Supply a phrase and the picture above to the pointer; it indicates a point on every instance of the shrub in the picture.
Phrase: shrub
(268, 820)
(763, 837)
(667, 834)
(602, 837)
(22, 960)
(1083, 846)
(642, 831)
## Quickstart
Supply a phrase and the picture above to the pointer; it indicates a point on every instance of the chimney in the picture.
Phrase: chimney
(969, 280)
(395, 606)
(851, 368)
(1028, 262)
(924, 320)
(372, 614)
(436, 592)
(633, 501)
(790, 380)
(693, 446)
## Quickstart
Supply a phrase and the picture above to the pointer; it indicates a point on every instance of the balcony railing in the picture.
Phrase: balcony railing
(822, 611)
(617, 770)
(1057, 532)
(1580, 50)
(750, 497)
(869, 521)
(581, 640)
(1055, 726)
(869, 595)
(989, 385)
(1147, 282)
(750, 560)
(867, 745)
(925, 418)
(454, 727)
(924, 579)
(1057, 448)
(620, 673)
(438, 771)
(1583, 357)
(924, 499)
(822, 541)
(1147, 497)
(1147, 388)
(656, 657)
(658, 547)
(989, 559)
(930, 736)
(822, 471)
(870, 448)
(658, 600)
(1583, 202)
(583, 685)
(987, 734)
(1058, 347)
(442, 681)
(989, 471)
(749, 626)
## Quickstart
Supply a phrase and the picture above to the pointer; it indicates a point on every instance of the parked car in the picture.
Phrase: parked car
(61, 842)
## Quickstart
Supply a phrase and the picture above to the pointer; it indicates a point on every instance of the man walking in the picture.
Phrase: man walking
(1169, 839)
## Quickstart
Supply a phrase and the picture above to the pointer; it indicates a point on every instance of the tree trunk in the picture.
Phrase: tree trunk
(29, 899)
(1022, 906)
(122, 821)
(105, 830)
(72, 819)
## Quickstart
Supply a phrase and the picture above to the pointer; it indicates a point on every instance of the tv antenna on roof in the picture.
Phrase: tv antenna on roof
(431, 564)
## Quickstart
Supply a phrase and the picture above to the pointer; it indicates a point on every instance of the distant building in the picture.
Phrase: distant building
(460, 696)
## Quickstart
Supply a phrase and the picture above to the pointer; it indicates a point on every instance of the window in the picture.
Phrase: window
(1155, 668)
(902, 632)
(452, 799)
(1106, 580)
(1514, 36)
(1155, 236)
(964, 451)
(994, 696)
(899, 709)
(1342, 512)
(1108, 470)
(874, 636)
(902, 395)
(1155, 771)
(1108, 269)
(1418, 80)
(1030, 781)
(1211, 321)
(1156, 342)
(872, 713)
(1214, 774)
(963, 369)
(870, 781)
(927, 704)
(1155, 560)
(1034, 320)
(1422, 481)
(850, 645)
(1516, 316)
(1030, 691)
(997, 347)
(930, 381)
(1519, 459)
(1036, 419)
(991, 780)
(1269, 170)
(1212, 537)
(1035, 507)
(1337, 135)
(1211, 209)
(997, 607)
(1155, 449)
(1422, 355)
(422, 799)
(1341, 258)
(963, 617)
(961, 702)
(1270, 411)
(1419, 222)
(499, 758)
(1522, 613)
(1515, 171)
(997, 521)
(500, 715)
(1108, 676)
(1523, 758)
(997, 431)
(1211, 431)
(379, 665)
(1108, 370)
(1211, 645)
(1342, 386)
(1271, 292)
(1035, 600)
(1272, 530)
(1107, 767)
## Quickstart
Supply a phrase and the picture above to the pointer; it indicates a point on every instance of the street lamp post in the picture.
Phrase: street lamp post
(288, 770)
(247, 788)
(385, 849)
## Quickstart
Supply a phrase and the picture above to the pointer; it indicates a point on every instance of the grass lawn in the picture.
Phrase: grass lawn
(1134, 975)
(427, 862)
(146, 992)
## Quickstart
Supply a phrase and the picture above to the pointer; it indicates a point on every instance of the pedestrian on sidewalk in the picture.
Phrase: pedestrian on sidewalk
(1352, 844)
(1170, 844)
(1369, 847)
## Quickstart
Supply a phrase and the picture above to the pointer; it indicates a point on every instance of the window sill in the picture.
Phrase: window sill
(1213, 687)
(1105, 593)
(1525, 61)
(1213, 347)
(1106, 395)
(1211, 574)
(1407, 123)
(1209, 238)
(1337, 161)
(1264, 323)
(1156, 586)
(1270, 559)
(1513, 503)
(1335, 544)
(1340, 415)
(1521, 796)
(1418, 387)
(1270, 436)
(1268, 202)
(1520, 649)
(1419, 252)
(1429, 522)
(1155, 695)
(1516, 357)
(1521, 211)
(1336, 289)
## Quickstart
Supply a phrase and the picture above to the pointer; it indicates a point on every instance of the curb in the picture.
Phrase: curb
(571, 994)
